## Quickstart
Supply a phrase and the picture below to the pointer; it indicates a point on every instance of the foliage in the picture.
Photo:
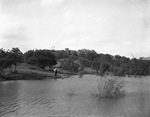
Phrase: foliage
(96, 64)
(87, 55)
(104, 67)
(105, 63)
(61, 54)
(70, 64)
(9, 58)
(40, 58)
(28, 55)
(71, 60)
(16, 57)
(111, 87)
(2, 61)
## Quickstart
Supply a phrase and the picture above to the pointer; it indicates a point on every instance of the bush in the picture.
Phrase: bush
(111, 87)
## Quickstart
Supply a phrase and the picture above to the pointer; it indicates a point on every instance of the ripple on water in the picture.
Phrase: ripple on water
(71, 96)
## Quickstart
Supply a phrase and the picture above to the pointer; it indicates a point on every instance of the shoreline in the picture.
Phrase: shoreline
(34, 74)
(25, 76)
(29, 72)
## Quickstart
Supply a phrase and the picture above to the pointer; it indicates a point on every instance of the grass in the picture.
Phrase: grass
(110, 87)
(29, 72)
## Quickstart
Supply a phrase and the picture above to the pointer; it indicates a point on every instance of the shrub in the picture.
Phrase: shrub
(111, 87)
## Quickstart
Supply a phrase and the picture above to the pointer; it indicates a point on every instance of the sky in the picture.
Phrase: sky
(116, 27)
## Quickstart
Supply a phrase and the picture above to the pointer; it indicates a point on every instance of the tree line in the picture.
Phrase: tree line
(74, 61)
(103, 63)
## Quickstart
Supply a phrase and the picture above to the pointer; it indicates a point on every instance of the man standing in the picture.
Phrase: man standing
(55, 70)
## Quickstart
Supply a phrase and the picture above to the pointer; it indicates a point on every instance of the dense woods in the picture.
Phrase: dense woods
(73, 61)
(40, 58)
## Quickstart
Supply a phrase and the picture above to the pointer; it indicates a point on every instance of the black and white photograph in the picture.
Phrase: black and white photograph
(74, 58)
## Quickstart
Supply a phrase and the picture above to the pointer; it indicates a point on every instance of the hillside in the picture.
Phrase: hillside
(28, 72)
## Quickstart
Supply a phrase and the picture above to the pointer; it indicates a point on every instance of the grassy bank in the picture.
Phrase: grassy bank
(28, 72)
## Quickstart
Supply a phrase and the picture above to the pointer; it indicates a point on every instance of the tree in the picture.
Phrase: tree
(104, 67)
(9, 58)
(70, 64)
(40, 58)
(96, 64)
(2, 61)
(61, 54)
(27, 55)
(87, 54)
(16, 57)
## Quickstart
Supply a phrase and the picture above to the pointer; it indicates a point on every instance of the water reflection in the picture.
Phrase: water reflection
(71, 97)
(8, 97)
(132, 105)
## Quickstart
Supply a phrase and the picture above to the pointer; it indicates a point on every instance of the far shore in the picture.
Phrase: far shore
(29, 72)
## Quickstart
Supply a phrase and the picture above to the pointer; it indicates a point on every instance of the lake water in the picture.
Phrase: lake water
(72, 97)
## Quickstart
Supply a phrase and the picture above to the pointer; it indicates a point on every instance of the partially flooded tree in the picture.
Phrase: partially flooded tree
(110, 87)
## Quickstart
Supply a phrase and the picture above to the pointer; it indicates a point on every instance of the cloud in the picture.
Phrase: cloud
(8, 21)
(9, 25)
(18, 34)
(16, 2)
(112, 26)
(12, 32)
(52, 3)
